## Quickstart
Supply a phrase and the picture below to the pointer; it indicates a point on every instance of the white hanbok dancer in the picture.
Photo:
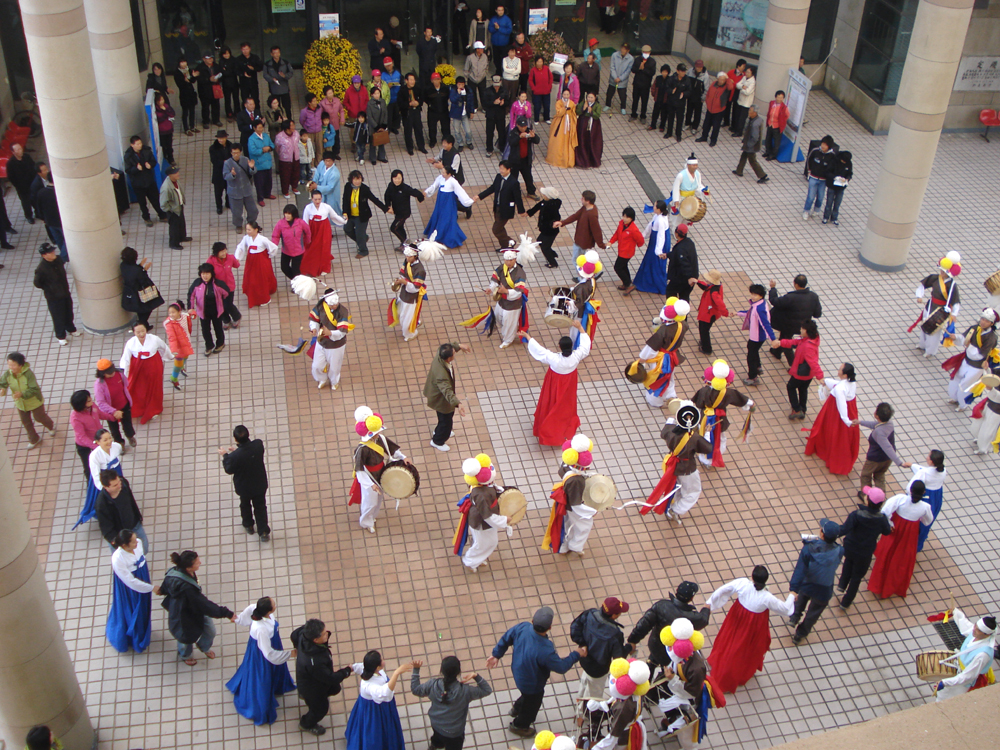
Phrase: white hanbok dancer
(974, 659)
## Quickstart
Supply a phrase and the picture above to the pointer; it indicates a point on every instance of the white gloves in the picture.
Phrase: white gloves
(510, 532)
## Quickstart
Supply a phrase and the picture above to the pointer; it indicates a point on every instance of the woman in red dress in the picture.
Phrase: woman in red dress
(142, 362)
(896, 554)
(556, 420)
(745, 636)
(319, 216)
(256, 250)
(832, 436)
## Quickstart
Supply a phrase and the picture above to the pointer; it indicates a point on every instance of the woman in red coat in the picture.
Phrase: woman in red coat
(711, 307)
(629, 237)
(805, 366)
(896, 554)
(833, 436)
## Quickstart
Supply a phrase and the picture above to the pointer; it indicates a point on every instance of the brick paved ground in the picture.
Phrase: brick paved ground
(401, 590)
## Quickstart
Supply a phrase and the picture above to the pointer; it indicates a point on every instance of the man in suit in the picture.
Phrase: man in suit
(790, 311)
(245, 463)
(439, 390)
(357, 211)
(506, 192)
(238, 172)
(245, 120)
(248, 66)
(139, 163)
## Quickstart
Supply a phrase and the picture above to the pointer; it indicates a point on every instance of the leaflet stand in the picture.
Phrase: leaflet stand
(798, 96)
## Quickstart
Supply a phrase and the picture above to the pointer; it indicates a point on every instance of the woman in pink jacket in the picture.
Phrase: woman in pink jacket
(292, 235)
(224, 263)
(805, 366)
(85, 421)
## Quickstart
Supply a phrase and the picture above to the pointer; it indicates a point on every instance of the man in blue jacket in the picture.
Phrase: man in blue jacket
(812, 581)
(534, 659)
(500, 28)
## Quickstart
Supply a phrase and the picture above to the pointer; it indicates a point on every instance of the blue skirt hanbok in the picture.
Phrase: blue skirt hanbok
(258, 681)
(129, 619)
(444, 220)
(934, 498)
(652, 274)
(92, 492)
(374, 726)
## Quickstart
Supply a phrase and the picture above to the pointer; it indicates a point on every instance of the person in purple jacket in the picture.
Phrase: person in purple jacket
(112, 397)
(759, 325)
(207, 298)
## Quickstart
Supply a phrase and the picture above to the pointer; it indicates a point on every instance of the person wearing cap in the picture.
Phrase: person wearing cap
(680, 484)
(896, 555)
(598, 630)
(975, 656)
(686, 183)
(278, 72)
(378, 82)
(643, 70)
(713, 399)
(412, 101)
(943, 287)
(374, 451)
(460, 111)
(700, 81)
(663, 613)
(812, 579)
(411, 288)
(509, 287)
(521, 142)
(477, 70)
(50, 277)
(861, 531)
(534, 660)
(745, 636)
(427, 53)
(717, 99)
(479, 509)
(572, 520)
(682, 264)
(238, 172)
(980, 342)
(986, 428)
(556, 419)
(172, 201)
(711, 307)
(112, 397)
(881, 447)
(439, 390)
(355, 98)
(500, 29)
(437, 98)
(506, 192)
(660, 356)
(209, 76)
(496, 103)
(547, 209)
(330, 322)
(618, 75)
(392, 78)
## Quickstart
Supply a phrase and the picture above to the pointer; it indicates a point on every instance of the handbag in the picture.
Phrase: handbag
(217, 90)
(149, 293)
(380, 138)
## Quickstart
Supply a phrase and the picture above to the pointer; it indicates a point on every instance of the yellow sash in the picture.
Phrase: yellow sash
(354, 201)
(710, 410)
(653, 373)
(677, 450)
(506, 276)
(329, 313)
(687, 193)
(421, 293)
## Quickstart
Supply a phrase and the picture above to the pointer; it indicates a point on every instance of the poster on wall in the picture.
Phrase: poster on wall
(978, 74)
(538, 20)
(283, 6)
(741, 25)
(329, 25)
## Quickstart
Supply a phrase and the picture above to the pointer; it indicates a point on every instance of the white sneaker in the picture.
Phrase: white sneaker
(361, 162)
(505, 344)
(62, 342)
(287, 196)
(52, 432)
(77, 334)
(805, 216)
(443, 448)
(32, 446)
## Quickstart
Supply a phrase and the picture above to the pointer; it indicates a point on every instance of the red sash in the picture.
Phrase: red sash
(356, 487)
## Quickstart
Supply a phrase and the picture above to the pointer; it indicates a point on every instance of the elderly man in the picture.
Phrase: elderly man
(439, 390)
(477, 68)
(238, 172)
(975, 657)
(753, 137)
(717, 100)
(790, 311)
(21, 173)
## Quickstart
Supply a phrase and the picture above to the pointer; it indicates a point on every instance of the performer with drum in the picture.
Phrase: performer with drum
(661, 354)
(941, 307)
(588, 266)
(974, 362)
(975, 657)
(573, 507)
(411, 287)
(330, 322)
(370, 463)
(556, 418)
(480, 513)
(687, 184)
(509, 292)
(712, 399)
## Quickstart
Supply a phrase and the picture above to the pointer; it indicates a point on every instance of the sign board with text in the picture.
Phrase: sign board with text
(329, 25)
(978, 74)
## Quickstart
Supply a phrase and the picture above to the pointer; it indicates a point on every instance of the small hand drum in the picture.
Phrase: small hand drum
(513, 504)
(935, 322)
(599, 492)
(693, 208)
(400, 480)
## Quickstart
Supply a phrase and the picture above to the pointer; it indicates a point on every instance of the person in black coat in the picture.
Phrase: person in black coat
(840, 174)
(678, 93)
(506, 192)
(248, 66)
(378, 49)
(190, 612)
(438, 100)
(139, 163)
(682, 265)
(315, 677)
(522, 140)
(790, 311)
(157, 80)
(427, 50)
(50, 277)
(497, 104)
(410, 101)
(245, 463)
(230, 82)
(599, 631)
(218, 152)
(185, 79)
(357, 211)
(665, 612)
(43, 178)
(397, 198)
(861, 531)
(246, 118)
(451, 158)
(135, 277)
(548, 213)
(21, 173)
(116, 509)
(643, 70)
(209, 74)
(47, 206)
(5, 227)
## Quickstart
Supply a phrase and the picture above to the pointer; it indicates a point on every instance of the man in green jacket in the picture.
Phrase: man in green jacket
(20, 380)
(172, 200)
(439, 389)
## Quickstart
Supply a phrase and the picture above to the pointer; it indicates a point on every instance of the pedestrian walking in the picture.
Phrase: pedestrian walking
(263, 674)
(189, 611)
(50, 277)
(138, 165)
(244, 461)
(178, 328)
(812, 579)
(112, 396)
(752, 139)
(28, 399)
(85, 420)
(238, 172)
(450, 696)
(439, 390)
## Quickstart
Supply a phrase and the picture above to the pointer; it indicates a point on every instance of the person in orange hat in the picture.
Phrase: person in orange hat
(113, 397)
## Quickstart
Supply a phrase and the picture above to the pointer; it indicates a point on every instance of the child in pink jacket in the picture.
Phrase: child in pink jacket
(224, 263)
(178, 325)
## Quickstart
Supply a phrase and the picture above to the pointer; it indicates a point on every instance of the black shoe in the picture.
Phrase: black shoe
(797, 639)
(164, 218)
(149, 222)
(265, 537)
(317, 730)
(218, 211)
(186, 239)
(409, 151)
(712, 144)
(7, 246)
(432, 144)
(512, 712)
(249, 529)
(701, 140)
(521, 731)
(176, 247)
(737, 173)
(30, 221)
(422, 150)
(489, 153)
(471, 147)
(12, 230)
(764, 179)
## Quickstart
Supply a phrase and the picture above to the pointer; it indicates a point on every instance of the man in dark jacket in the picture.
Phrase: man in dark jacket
(357, 211)
(790, 311)
(47, 207)
(812, 581)
(116, 509)
(522, 141)
(315, 676)
(643, 70)
(21, 173)
(599, 632)
(506, 192)
(438, 99)
(209, 74)
(861, 531)
(50, 277)
(278, 72)
(662, 614)
(43, 178)
(410, 101)
(218, 152)
(497, 104)
(378, 48)
(190, 612)
(753, 138)
(427, 51)
(139, 164)
(246, 118)
(439, 390)
(248, 65)
(682, 265)
(449, 157)
(245, 463)
(534, 660)
(678, 93)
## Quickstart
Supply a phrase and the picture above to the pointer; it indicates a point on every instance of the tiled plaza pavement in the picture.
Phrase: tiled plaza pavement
(401, 590)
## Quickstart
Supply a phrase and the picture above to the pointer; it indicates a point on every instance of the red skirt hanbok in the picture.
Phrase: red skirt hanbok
(832, 440)
(317, 257)
(556, 420)
(739, 648)
(895, 558)
(259, 282)
(145, 383)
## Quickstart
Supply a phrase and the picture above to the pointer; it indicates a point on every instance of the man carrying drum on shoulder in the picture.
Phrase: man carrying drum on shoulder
(573, 507)
(686, 183)
(942, 307)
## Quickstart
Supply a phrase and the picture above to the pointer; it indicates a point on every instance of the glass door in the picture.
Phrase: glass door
(650, 22)
(569, 18)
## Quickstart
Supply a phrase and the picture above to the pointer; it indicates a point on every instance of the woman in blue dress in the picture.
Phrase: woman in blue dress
(131, 595)
(444, 220)
(264, 674)
(652, 274)
(105, 455)
(932, 474)
(374, 721)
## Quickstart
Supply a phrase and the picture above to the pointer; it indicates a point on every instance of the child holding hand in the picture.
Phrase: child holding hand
(178, 325)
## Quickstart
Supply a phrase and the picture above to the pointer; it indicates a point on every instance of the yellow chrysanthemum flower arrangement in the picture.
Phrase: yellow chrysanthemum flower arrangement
(447, 73)
(331, 61)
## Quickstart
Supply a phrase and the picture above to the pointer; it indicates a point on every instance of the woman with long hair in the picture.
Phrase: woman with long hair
(374, 721)
(444, 218)
(263, 673)
(896, 554)
(833, 436)
(450, 695)
(652, 274)
(131, 596)
(106, 454)
(932, 474)
(292, 235)
(142, 363)
(259, 282)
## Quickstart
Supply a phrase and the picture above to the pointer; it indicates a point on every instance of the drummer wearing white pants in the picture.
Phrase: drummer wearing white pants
(980, 340)
(370, 458)
(484, 523)
(686, 183)
(511, 281)
(329, 320)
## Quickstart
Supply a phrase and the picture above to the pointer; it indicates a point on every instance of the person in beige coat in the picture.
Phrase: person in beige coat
(439, 390)
(172, 201)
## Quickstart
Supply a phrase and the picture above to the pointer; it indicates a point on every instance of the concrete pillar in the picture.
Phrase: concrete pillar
(784, 30)
(924, 90)
(37, 681)
(682, 25)
(59, 48)
(112, 47)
